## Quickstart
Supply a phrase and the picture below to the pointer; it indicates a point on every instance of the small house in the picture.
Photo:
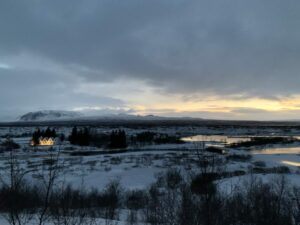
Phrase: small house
(45, 141)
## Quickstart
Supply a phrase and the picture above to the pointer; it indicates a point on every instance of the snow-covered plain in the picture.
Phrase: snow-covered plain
(139, 166)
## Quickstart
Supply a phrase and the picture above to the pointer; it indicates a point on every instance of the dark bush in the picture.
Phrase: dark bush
(9, 144)
(110, 199)
(239, 157)
(204, 184)
(145, 137)
(166, 139)
(136, 200)
(173, 178)
(215, 150)
(118, 139)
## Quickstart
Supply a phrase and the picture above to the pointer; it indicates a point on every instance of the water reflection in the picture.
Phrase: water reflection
(217, 138)
(282, 155)
(227, 140)
(290, 163)
(275, 151)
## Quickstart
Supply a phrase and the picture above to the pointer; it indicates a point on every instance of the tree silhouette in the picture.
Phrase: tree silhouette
(118, 139)
(80, 136)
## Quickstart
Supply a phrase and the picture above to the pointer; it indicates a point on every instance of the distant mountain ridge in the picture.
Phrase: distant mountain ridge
(47, 115)
(57, 115)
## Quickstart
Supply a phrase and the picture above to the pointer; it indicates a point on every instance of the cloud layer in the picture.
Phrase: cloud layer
(190, 49)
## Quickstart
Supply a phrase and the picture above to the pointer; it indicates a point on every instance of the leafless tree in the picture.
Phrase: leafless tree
(49, 176)
(13, 181)
(295, 199)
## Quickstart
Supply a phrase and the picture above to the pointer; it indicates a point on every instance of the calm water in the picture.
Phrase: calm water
(222, 139)
(276, 151)
(289, 156)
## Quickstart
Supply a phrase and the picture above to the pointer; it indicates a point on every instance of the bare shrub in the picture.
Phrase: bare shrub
(135, 200)
(110, 200)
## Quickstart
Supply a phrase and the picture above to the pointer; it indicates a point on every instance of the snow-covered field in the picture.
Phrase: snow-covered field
(98, 221)
(139, 167)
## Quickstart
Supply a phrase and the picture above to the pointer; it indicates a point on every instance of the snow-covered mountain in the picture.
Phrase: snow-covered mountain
(54, 115)
(48, 115)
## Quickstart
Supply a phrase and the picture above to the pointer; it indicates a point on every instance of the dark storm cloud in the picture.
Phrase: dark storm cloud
(220, 45)
(37, 90)
(184, 47)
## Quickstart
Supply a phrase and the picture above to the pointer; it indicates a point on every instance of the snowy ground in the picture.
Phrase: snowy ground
(97, 221)
(134, 170)
(228, 186)
(139, 167)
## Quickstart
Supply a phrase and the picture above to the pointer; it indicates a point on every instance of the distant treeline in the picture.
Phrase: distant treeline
(116, 139)
(80, 136)
(86, 137)
(148, 137)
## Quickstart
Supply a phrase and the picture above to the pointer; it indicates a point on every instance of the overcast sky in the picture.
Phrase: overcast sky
(222, 59)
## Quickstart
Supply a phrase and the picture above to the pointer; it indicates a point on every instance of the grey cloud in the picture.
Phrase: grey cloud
(236, 114)
(183, 46)
(29, 90)
(249, 111)
(107, 111)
